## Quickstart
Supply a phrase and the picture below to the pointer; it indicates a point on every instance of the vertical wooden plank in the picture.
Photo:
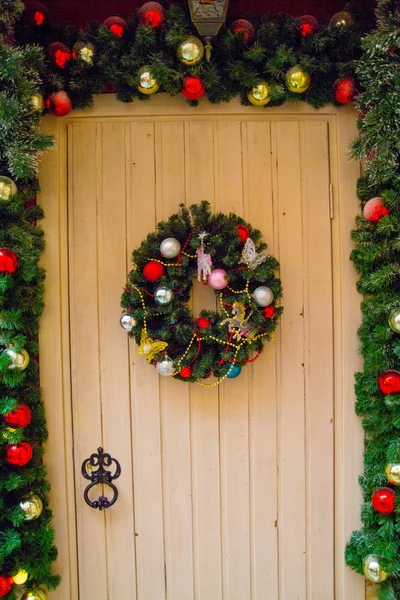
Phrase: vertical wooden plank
(114, 360)
(234, 418)
(175, 415)
(262, 374)
(199, 157)
(83, 181)
(291, 415)
(145, 400)
(318, 316)
(54, 354)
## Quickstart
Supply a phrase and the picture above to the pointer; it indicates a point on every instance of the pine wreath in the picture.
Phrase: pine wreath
(222, 251)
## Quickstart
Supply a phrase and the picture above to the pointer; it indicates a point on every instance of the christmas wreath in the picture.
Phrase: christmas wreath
(221, 251)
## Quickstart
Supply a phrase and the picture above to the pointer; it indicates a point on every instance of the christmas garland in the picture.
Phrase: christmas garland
(228, 255)
(267, 60)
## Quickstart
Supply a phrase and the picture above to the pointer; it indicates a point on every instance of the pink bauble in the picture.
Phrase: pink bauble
(218, 279)
(374, 210)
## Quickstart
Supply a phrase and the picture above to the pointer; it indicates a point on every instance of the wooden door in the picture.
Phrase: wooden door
(226, 493)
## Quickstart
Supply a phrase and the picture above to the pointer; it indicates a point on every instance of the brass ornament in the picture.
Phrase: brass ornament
(297, 80)
(147, 83)
(37, 102)
(32, 506)
(394, 320)
(7, 188)
(373, 570)
(84, 51)
(392, 473)
(19, 360)
(191, 51)
(260, 94)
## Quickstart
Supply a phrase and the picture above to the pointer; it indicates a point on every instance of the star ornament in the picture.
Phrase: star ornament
(149, 347)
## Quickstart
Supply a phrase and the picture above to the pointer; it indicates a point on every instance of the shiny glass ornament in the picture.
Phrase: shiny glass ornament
(18, 454)
(374, 210)
(263, 296)
(84, 51)
(8, 261)
(19, 417)
(147, 83)
(19, 360)
(153, 271)
(392, 473)
(245, 29)
(166, 367)
(297, 80)
(389, 382)
(308, 25)
(35, 594)
(116, 25)
(59, 104)
(59, 54)
(191, 51)
(170, 248)
(163, 295)
(260, 94)
(37, 102)
(394, 320)
(192, 88)
(243, 233)
(7, 188)
(5, 585)
(127, 322)
(383, 501)
(152, 13)
(32, 506)
(218, 279)
(373, 570)
(20, 578)
(341, 19)
(234, 370)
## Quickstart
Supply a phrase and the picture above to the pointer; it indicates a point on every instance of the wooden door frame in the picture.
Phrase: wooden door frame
(54, 333)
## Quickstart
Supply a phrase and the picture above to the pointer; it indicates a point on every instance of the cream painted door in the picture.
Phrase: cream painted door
(225, 493)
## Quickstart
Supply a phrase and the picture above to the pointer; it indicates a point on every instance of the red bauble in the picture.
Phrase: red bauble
(116, 25)
(153, 271)
(308, 25)
(36, 14)
(374, 210)
(389, 382)
(192, 88)
(345, 89)
(202, 323)
(243, 233)
(152, 13)
(186, 372)
(383, 500)
(59, 54)
(19, 454)
(269, 312)
(8, 261)
(5, 585)
(245, 28)
(58, 104)
(19, 417)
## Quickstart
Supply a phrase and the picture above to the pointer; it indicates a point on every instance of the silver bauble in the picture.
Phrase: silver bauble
(166, 367)
(170, 248)
(394, 320)
(163, 295)
(127, 322)
(373, 570)
(263, 296)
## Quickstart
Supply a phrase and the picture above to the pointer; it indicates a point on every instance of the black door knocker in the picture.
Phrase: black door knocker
(100, 476)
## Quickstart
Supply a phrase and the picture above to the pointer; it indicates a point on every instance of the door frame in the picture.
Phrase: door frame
(54, 342)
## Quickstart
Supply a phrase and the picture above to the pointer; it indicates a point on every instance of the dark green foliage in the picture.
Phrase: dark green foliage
(377, 259)
(23, 545)
(174, 322)
(234, 68)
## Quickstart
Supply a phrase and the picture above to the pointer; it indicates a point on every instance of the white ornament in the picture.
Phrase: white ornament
(170, 248)
(204, 262)
(250, 256)
(127, 322)
(163, 295)
(166, 367)
(263, 296)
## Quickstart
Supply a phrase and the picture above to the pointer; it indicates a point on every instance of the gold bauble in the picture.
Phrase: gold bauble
(392, 473)
(19, 360)
(32, 506)
(260, 94)
(84, 51)
(341, 19)
(20, 578)
(373, 570)
(394, 320)
(191, 51)
(35, 594)
(147, 83)
(37, 102)
(7, 188)
(297, 80)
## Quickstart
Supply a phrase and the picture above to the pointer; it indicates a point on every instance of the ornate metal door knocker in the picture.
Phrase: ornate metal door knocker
(93, 470)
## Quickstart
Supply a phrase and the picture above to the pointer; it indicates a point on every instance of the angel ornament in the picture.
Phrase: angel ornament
(204, 262)
(250, 256)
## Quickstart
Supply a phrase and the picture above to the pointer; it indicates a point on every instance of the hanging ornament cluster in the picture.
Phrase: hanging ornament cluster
(156, 296)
